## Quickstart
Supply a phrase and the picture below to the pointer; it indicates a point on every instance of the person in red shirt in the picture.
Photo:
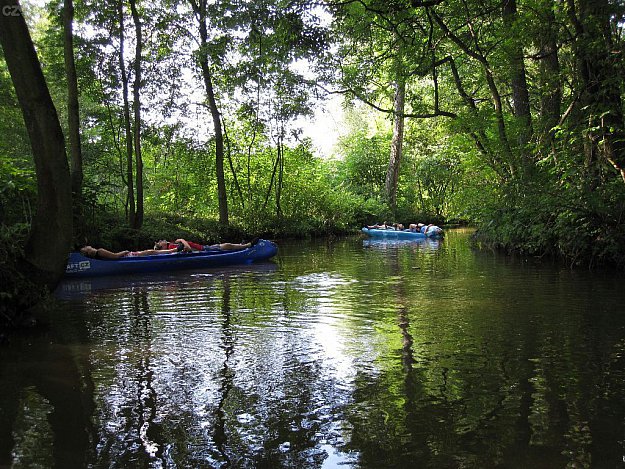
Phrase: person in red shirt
(188, 246)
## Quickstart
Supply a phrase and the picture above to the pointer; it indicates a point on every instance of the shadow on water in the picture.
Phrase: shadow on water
(46, 399)
(349, 353)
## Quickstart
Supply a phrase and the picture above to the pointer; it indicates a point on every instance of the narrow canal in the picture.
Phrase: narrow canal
(346, 353)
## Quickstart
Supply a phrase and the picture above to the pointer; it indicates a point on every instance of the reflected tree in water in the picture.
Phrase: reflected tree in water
(226, 374)
(45, 382)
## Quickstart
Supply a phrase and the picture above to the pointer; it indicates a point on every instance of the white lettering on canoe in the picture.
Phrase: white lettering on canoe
(78, 266)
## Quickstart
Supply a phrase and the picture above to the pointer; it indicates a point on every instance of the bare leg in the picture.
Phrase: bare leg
(233, 246)
(106, 254)
(151, 252)
(101, 253)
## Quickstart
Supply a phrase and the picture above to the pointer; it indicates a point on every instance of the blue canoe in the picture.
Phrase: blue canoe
(81, 266)
(397, 234)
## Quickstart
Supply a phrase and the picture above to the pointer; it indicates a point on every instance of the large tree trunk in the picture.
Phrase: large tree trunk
(50, 236)
(549, 72)
(138, 222)
(392, 174)
(520, 93)
(72, 102)
(200, 10)
(219, 145)
(127, 127)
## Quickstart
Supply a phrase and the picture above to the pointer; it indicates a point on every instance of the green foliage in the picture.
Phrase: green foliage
(364, 162)
(309, 200)
(545, 218)
(17, 190)
(433, 170)
(17, 183)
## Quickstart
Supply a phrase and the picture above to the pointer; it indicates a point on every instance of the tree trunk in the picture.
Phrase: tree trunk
(271, 181)
(235, 179)
(129, 166)
(50, 235)
(280, 148)
(200, 10)
(392, 174)
(219, 145)
(73, 112)
(549, 73)
(138, 222)
(520, 93)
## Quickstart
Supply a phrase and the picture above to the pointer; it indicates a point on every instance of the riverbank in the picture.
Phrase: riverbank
(600, 247)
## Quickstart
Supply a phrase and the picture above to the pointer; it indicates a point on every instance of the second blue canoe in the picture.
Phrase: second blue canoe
(397, 234)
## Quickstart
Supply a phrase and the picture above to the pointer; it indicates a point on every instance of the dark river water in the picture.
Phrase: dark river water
(345, 353)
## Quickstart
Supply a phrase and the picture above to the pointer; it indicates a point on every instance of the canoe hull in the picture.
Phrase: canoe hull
(396, 234)
(81, 266)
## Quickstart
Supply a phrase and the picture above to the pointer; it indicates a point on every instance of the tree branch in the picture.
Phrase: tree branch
(437, 113)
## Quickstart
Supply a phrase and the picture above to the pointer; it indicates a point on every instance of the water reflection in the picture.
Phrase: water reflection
(227, 373)
(425, 244)
(340, 354)
(80, 287)
(46, 400)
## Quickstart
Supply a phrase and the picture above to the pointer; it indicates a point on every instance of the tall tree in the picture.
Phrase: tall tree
(130, 200)
(136, 104)
(518, 79)
(380, 59)
(201, 14)
(467, 36)
(50, 235)
(270, 91)
(550, 82)
(397, 142)
(73, 111)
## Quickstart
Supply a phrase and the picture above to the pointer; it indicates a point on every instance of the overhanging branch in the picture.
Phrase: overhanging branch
(360, 97)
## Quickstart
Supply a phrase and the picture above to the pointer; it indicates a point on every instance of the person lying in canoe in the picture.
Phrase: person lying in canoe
(105, 254)
(432, 230)
(188, 246)
(386, 226)
(429, 230)
(383, 226)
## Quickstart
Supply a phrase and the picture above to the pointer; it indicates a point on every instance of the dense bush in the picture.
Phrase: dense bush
(559, 221)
